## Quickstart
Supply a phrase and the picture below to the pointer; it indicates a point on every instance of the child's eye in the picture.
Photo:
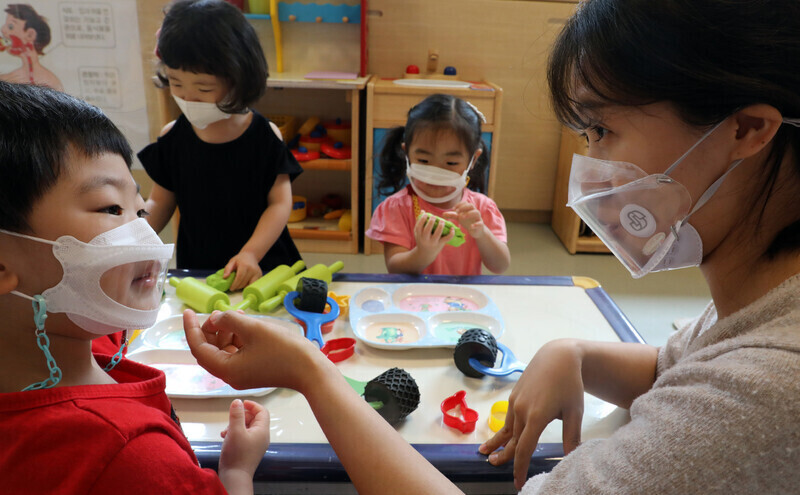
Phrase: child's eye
(112, 210)
(595, 133)
(142, 213)
(422, 160)
(453, 163)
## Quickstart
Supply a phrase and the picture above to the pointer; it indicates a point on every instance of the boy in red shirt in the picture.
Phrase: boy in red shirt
(73, 241)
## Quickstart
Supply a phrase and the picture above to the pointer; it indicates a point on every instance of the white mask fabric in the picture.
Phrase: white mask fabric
(112, 283)
(436, 176)
(200, 113)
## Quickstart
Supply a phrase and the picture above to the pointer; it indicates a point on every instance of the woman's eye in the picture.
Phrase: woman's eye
(142, 213)
(112, 210)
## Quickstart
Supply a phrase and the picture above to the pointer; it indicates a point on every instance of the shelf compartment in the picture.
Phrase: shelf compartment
(327, 164)
(320, 234)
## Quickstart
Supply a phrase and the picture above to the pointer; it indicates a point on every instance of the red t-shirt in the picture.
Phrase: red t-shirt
(99, 439)
(393, 221)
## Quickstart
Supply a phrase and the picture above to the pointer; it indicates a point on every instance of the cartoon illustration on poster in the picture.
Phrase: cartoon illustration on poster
(87, 49)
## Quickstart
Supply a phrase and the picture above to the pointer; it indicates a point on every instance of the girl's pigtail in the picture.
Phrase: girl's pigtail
(393, 162)
(477, 175)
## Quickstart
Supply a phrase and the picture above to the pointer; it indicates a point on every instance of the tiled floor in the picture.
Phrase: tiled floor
(652, 303)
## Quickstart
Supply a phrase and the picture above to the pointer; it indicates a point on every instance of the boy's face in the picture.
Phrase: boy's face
(191, 86)
(16, 27)
(91, 196)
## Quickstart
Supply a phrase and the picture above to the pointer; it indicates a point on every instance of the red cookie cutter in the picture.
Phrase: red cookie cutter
(470, 416)
(340, 349)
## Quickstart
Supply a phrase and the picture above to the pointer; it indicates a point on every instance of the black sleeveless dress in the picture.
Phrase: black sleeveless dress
(221, 191)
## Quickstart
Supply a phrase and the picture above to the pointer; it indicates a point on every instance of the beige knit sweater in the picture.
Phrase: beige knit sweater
(723, 416)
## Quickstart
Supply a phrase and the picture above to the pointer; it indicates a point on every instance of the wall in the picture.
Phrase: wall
(505, 42)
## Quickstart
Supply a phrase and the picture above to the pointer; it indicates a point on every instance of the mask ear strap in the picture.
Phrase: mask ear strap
(683, 157)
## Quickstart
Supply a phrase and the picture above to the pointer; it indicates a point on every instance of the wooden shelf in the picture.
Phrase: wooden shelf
(566, 224)
(320, 234)
(327, 164)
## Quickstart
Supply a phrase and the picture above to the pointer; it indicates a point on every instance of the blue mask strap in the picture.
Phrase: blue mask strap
(39, 315)
(118, 356)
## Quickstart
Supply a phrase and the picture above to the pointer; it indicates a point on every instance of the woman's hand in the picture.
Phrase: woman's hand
(246, 267)
(550, 388)
(247, 352)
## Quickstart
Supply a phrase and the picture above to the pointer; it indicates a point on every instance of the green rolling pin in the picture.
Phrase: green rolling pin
(268, 285)
(320, 272)
(199, 296)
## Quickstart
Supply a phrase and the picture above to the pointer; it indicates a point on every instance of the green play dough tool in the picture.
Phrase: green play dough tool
(199, 296)
(320, 272)
(267, 286)
(458, 237)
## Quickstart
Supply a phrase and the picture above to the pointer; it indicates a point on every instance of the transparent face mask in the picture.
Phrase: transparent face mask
(642, 218)
(114, 282)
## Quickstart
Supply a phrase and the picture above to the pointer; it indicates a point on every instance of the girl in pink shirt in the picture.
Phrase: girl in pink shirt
(441, 152)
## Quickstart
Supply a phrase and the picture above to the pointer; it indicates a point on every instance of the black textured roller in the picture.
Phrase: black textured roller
(475, 343)
(312, 295)
(397, 390)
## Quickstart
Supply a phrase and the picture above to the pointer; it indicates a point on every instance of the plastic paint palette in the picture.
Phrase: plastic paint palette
(421, 315)
(164, 347)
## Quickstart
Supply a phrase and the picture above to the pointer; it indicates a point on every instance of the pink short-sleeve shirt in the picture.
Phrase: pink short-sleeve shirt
(393, 222)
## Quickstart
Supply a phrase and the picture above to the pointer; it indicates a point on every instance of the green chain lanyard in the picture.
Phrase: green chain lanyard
(43, 341)
(39, 315)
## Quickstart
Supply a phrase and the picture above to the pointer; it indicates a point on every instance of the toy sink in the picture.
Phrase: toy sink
(411, 316)
(432, 83)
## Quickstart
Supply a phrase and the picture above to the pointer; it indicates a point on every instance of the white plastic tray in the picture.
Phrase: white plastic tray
(411, 316)
(163, 346)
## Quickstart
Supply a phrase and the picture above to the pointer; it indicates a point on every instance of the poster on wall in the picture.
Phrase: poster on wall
(89, 49)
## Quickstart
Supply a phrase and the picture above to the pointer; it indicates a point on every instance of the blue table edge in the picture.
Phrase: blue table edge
(316, 462)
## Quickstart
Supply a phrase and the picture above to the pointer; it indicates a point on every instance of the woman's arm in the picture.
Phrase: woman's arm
(235, 348)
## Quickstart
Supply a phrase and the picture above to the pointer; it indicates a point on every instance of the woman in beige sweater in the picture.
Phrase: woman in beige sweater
(690, 109)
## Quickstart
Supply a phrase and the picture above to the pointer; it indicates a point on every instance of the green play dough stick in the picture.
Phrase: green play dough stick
(216, 280)
(458, 237)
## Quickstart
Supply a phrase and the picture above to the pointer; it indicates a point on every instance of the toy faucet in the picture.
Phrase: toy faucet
(319, 271)
(267, 286)
(199, 296)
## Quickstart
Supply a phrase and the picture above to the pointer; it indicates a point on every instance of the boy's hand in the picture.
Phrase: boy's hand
(469, 217)
(247, 270)
(246, 438)
(235, 348)
(429, 240)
